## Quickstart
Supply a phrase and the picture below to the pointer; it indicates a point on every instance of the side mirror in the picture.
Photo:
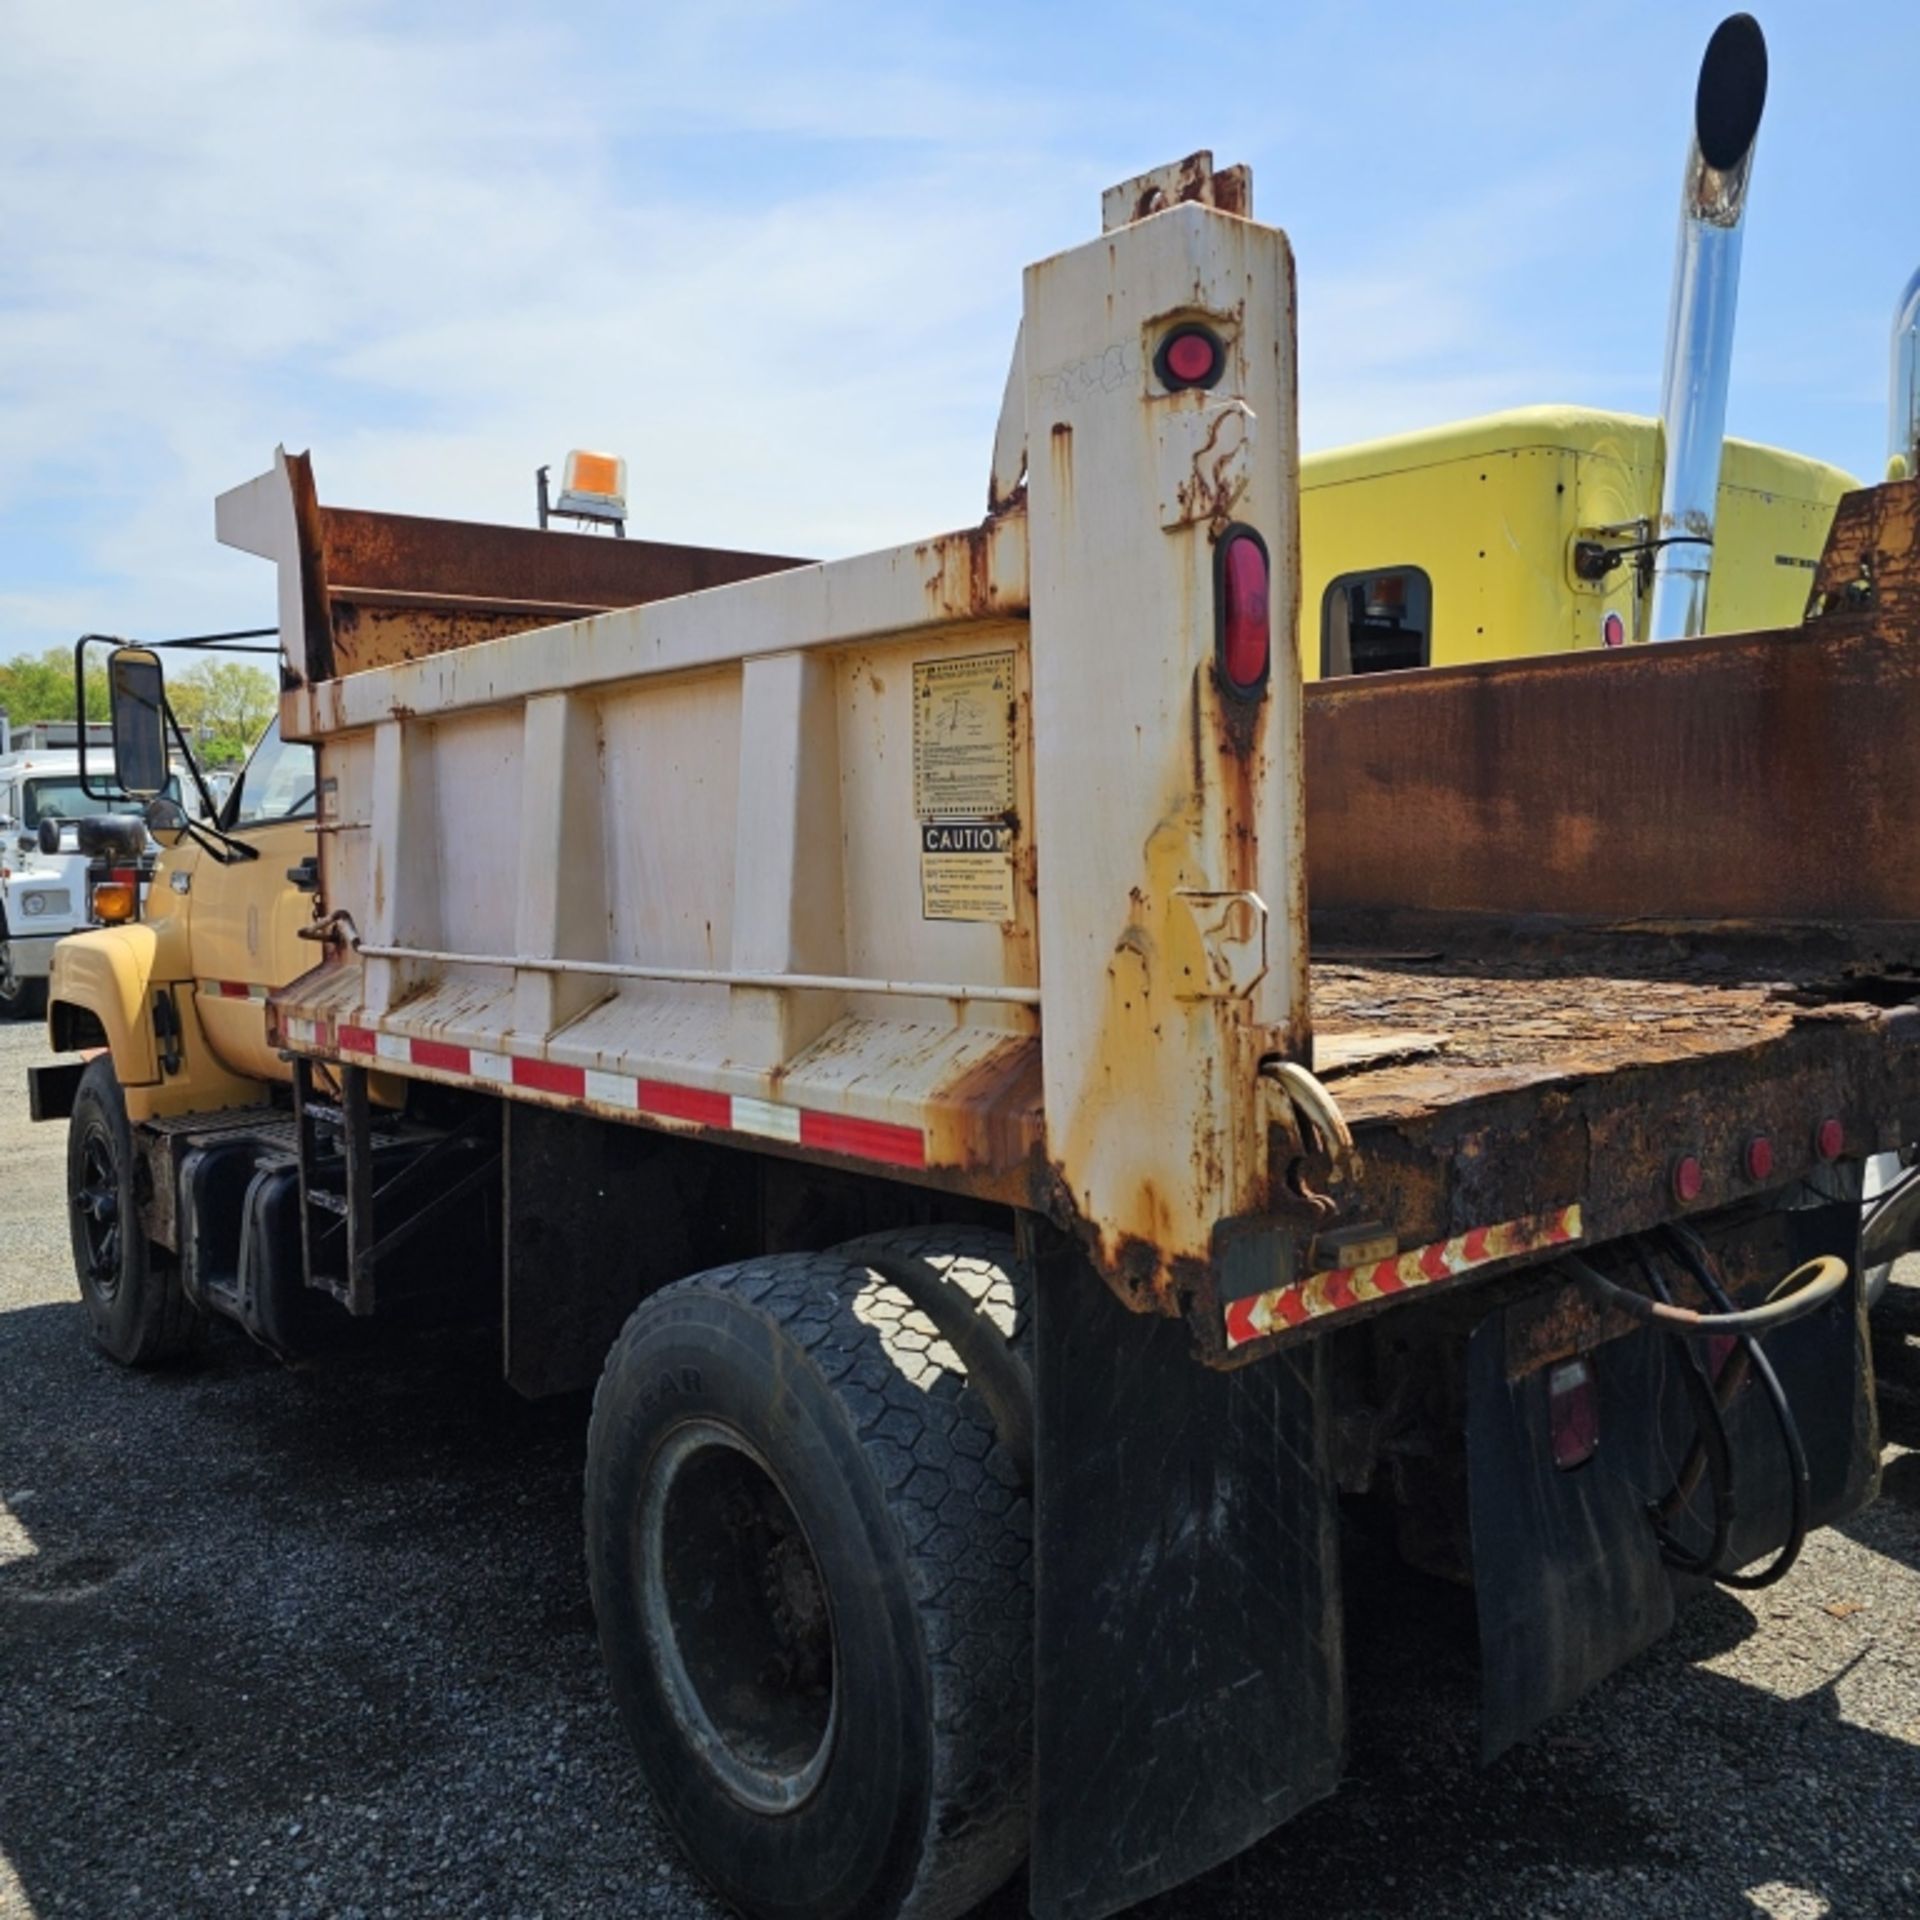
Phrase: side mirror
(49, 836)
(166, 816)
(136, 689)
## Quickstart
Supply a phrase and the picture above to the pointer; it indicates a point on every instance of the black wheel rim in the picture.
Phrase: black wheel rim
(736, 1617)
(96, 1207)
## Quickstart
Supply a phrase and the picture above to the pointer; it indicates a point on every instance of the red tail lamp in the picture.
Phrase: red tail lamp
(1573, 1413)
(1243, 610)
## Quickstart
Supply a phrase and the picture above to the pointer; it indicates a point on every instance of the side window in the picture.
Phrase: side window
(1376, 622)
(276, 784)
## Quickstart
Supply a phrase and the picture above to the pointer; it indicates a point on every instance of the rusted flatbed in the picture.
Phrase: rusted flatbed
(1517, 1093)
(1405, 1036)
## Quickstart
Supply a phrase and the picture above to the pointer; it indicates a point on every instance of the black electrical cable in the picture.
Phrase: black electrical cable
(1711, 1428)
(1792, 1298)
(1695, 1257)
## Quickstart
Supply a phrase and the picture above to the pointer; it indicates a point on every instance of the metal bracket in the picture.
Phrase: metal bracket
(1217, 943)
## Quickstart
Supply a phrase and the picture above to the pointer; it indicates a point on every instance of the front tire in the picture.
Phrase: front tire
(809, 1557)
(131, 1290)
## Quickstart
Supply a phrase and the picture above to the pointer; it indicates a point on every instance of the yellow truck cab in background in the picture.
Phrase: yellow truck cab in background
(1469, 541)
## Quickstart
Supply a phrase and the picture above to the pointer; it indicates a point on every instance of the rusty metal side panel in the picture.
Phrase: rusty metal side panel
(1764, 777)
(399, 552)
(1872, 557)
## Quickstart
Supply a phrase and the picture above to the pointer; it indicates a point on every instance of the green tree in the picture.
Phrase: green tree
(223, 706)
(40, 687)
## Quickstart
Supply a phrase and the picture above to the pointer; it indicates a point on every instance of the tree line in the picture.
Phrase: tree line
(223, 705)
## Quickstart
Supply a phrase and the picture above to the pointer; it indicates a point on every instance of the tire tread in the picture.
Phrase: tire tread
(965, 1528)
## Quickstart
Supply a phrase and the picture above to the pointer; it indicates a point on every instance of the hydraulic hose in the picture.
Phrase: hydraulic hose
(1711, 1449)
(1699, 1262)
(1804, 1290)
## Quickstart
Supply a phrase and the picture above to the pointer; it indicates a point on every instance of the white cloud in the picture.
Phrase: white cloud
(775, 265)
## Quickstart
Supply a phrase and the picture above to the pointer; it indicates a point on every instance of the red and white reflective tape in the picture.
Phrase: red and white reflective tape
(1281, 1308)
(232, 989)
(882, 1140)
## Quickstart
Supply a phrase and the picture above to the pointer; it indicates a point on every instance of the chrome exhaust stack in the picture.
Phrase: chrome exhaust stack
(1903, 440)
(1727, 105)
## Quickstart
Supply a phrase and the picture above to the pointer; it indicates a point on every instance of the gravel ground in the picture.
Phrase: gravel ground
(316, 1643)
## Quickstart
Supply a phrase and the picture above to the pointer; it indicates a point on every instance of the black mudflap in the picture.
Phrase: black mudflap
(1567, 1574)
(1188, 1669)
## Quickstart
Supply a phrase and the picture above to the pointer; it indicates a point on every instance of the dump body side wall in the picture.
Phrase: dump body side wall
(769, 860)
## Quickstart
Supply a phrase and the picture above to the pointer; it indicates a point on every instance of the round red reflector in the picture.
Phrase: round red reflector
(1759, 1157)
(1828, 1138)
(1190, 357)
(1245, 627)
(1613, 631)
(1687, 1178)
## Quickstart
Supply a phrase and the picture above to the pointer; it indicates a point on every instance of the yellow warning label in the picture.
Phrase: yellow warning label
(963, 737)
(966, 870)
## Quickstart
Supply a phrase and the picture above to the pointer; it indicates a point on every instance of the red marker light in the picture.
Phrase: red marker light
(1829, 1138)
(1613, 631)
(1190, 356)
(1759, 1157)
(1245, 620)
(1573, 1413)
(1687, 1179)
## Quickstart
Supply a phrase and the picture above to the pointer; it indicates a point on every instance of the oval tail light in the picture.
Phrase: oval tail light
(1243, 609)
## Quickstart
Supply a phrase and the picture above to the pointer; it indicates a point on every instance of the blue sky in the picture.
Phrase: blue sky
(772, 253)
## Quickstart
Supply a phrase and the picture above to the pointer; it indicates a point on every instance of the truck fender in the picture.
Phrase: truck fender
(108, 974)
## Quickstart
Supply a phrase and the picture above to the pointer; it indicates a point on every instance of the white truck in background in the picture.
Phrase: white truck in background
(46, 876)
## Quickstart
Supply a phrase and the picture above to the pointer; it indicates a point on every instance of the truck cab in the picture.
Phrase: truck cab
(1525, 532)
(178, 996)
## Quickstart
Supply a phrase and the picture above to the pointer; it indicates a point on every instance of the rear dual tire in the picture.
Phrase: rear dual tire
(809, 1556)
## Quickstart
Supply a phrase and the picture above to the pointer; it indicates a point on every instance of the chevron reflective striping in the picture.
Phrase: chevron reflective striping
(1340, 1288)
(885, 1141)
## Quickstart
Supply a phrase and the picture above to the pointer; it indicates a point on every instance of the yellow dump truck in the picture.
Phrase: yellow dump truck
(866, 1017)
